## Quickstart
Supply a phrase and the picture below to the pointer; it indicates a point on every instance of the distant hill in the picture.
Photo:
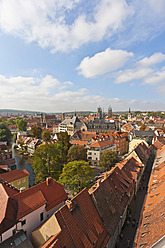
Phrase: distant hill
(17, 112)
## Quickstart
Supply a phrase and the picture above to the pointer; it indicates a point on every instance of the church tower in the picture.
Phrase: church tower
(99, 113)
(109, 112)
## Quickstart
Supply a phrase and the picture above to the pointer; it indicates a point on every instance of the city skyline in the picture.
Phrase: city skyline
(67, 55)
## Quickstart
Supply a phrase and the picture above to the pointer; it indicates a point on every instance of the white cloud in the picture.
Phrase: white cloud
(156, 78)
(30, 93)
(103, 62)
(132, 74)
(45, 22)
(154, 59)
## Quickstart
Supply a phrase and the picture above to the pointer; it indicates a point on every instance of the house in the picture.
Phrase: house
(6, 158)
(32, 145)
(133, 169)
(111, 195)
(72, 125)
(97, 148)
(141, 154)
(76, 224)
(17, 178)
(84, 136)
(18, 240)
(151, 228)
(28, 209)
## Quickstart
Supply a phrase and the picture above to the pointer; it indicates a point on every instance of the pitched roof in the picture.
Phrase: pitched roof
(8, 207)
(49, 192)
(14, 175)
(152, 222)
(80, 223)
(110, 195)
(131, 167)
(79, 142)
(100, 144)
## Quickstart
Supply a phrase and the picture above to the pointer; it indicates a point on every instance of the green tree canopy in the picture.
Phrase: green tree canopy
(15, 137)
(10, 122)
(76, 175)
(46, 135)
(108, 159)
(5, 134)
(47, 162)
(36, 131)
(63, 141)
(76, 152)
(21, 124)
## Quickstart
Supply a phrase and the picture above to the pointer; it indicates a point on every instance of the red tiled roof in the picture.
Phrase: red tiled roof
(80, 223)
(99, 144)
(52, 194)
(29, 202)
(110, 195)
(79, 142)
(14, 175)
(152, 223)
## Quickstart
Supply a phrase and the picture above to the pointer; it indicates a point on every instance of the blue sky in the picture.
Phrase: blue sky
(67, 55)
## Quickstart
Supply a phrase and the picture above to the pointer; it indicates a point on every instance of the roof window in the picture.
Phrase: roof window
(143, 245)
(143, 234)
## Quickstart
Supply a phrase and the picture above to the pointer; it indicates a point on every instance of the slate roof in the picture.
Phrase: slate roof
(80, 223)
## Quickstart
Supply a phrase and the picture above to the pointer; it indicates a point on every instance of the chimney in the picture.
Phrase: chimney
(49, 181)
(105, 175)
(69, 204)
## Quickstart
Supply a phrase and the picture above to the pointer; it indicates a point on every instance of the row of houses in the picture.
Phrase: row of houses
(151, 228)
(95, 217)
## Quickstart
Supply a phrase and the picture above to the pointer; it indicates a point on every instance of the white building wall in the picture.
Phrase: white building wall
(32, 221)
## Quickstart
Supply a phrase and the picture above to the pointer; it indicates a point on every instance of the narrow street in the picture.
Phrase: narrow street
(129, 229)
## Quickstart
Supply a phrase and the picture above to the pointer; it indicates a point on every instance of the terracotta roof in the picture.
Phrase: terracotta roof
(14, 175)
(79, 142)
(80, 223)
(110, 195)
(8, 206)
(131, 167)
(100, 144)
(152, 222)
(51, 194)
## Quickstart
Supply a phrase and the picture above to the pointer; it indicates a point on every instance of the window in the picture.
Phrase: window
(41, 216)
(18, 182)
(24, 180)
(23, 222)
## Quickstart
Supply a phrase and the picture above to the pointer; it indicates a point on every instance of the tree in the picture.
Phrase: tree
(47, 162)
(36, 131)
(108, 159)
(76, 175)
(46, 135)
(63, 141)
(76, 153)
(5, 134)
(15, 137)
(10, 122)
(143, 127)
(21, 124)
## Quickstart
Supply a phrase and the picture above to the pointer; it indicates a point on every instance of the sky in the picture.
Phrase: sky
(76, 55)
